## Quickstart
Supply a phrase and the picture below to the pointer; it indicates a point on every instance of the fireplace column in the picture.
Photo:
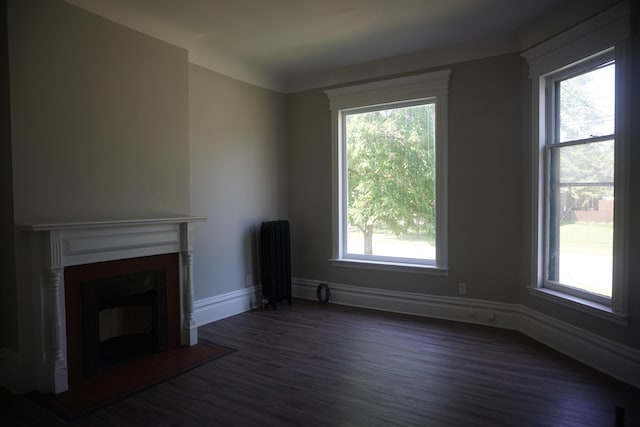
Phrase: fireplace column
(56, 360)
(189, 334)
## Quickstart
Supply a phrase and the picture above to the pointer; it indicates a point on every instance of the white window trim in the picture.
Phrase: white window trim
(608, 29)
(402, 89)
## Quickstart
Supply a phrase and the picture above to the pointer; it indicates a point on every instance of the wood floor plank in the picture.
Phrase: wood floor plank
(313, 364)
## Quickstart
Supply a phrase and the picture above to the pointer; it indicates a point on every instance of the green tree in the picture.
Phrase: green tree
(587, 110)
(391, 171)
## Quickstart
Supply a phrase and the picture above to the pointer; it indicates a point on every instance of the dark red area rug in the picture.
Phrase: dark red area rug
(128, 378)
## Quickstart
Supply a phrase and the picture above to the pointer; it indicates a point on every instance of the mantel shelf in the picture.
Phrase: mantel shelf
(107, 223)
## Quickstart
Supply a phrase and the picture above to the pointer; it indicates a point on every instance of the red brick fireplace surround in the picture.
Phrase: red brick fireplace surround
(83, 337)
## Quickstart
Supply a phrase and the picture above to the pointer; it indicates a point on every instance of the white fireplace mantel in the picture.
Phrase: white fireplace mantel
(54, 246)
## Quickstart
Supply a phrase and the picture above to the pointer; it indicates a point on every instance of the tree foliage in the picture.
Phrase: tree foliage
(391, 171)
(587, 110)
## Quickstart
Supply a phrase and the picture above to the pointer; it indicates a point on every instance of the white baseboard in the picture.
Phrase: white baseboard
(216, 308)
(9, 369)
(617, 360)
(467, 310)
(610, 357)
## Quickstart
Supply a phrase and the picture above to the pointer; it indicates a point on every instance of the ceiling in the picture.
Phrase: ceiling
(289, 45)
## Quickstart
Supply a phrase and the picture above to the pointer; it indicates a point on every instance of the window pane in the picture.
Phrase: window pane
(586, 163)
(390, 183)
(587, 104)
(581, 216)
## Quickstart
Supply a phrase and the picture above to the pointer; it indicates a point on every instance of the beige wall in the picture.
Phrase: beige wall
(238, 175)
(8, 297)
(489, 197)
(484, 212)
(99, 117)
(105, 123)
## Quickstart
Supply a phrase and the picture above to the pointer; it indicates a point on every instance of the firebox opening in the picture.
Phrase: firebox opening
(126, 331)
(124, 317)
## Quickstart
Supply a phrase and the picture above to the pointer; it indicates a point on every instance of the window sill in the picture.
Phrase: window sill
(430, 270)
(581, 304)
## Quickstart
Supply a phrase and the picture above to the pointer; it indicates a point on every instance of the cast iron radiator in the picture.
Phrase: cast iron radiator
(275, 256)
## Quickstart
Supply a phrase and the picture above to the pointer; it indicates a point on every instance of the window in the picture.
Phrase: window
(579, 166)
(579, 172)
(390, 158)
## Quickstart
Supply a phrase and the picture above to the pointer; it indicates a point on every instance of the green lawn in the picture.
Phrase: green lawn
(586, 238)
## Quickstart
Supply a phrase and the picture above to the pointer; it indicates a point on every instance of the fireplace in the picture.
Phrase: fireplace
(120, 310)
(106, 292)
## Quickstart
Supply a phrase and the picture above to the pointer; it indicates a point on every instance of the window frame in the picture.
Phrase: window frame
(403, 91)
(551, 142)
(578, 47)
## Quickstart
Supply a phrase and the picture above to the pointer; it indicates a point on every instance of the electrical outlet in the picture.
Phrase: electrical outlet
(249, 280)
(462, 288)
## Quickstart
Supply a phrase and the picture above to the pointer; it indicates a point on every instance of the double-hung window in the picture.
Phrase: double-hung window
(390, 176)
(579, 168)
(579, 165)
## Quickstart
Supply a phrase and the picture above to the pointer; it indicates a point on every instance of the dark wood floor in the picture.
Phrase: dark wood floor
(326, 365)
